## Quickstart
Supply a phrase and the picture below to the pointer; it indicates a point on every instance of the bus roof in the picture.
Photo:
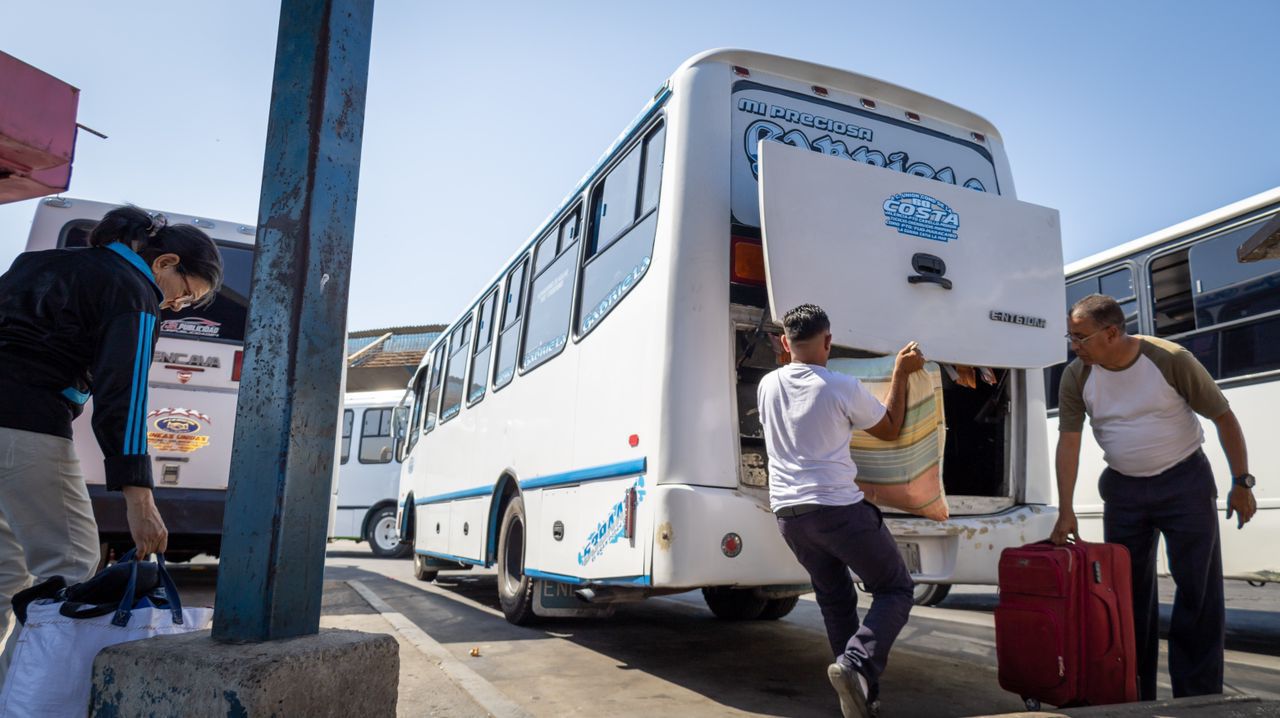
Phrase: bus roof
(765, 62)
(1195, 224)
(831, 77)
(219, 229)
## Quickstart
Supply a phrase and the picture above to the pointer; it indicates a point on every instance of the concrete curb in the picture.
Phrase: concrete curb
(481, 691)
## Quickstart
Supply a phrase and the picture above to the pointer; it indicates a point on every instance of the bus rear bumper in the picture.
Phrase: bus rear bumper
(689, 540)
(192, 516)
(966, 549)
(692, 523)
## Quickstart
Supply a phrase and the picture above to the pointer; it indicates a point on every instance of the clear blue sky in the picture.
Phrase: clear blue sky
(1126, 116)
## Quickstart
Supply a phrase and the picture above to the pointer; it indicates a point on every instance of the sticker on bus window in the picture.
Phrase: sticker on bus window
(192, 327)
(920, 215)
(177, 429)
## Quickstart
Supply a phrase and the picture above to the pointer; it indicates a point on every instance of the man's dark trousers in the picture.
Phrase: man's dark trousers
(1181, 504)
(830, 541)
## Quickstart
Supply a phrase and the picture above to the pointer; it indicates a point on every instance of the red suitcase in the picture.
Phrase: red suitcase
(1064, 625)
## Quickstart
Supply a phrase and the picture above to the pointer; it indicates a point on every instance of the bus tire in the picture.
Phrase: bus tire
(734, 604)
(515, 589)
(381, 534)
(778, 607)
(421, 571)
(930, 594)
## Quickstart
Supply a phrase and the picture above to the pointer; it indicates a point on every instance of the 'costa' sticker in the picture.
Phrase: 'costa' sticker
(920, 215)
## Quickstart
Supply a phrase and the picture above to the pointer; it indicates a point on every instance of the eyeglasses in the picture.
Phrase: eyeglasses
(1079, 341)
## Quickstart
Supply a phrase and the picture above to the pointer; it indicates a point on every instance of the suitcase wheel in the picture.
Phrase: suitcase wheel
(1033, 704)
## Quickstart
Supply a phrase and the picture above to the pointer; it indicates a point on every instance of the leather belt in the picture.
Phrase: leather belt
(790, 512)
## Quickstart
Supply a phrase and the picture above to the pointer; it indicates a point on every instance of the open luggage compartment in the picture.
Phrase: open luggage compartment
(976, 459)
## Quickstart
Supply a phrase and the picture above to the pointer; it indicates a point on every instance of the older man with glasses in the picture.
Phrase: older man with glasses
(1142, 395)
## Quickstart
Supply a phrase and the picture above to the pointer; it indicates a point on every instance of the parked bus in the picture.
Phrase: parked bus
(588, 425)
(1185, 284)
(368, 474)
(195, 376)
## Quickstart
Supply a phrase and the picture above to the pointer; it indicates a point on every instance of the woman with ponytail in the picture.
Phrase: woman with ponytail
(76, 323)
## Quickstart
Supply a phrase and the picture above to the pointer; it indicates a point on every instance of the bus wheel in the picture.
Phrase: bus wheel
(515, 589)
(383, 538)
(930, 594)
(778, 607)
(421, 571)
(734, 604)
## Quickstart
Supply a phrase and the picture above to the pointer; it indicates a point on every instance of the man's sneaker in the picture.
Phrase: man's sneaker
(851, 686)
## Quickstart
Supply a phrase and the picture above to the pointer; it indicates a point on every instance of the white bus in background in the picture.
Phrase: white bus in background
(368, 474)
(588, 424)
(1185, 284)
(195, 376)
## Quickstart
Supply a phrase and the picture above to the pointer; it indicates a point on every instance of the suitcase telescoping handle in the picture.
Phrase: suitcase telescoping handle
(125, 610)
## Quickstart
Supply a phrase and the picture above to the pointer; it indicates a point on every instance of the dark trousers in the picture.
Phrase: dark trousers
(828, 543)
(1181, 505)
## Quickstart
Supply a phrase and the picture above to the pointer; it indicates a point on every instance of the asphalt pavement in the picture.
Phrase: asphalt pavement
(670, 656)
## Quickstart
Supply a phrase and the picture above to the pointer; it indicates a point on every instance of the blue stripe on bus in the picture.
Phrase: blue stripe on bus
(579, 581)
(582, 476)
(449, 557)
(454, 495)
(577, 476)
(130, 426)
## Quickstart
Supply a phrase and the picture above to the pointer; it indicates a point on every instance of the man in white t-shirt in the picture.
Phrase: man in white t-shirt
(1142, 395)
(809, 414)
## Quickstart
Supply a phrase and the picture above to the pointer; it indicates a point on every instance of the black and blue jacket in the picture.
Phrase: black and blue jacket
(75, 323)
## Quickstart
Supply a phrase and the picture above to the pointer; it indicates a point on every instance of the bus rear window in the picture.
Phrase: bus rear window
(880, 138)
(225, 318)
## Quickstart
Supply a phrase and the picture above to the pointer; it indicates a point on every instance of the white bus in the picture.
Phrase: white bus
(195, 376)
(1185, 284)
(368, 474)
(588, 425)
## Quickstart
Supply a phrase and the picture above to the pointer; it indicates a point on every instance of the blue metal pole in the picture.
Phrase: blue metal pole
(273, 536)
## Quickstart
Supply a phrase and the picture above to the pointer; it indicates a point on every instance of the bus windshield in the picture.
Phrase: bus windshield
(225, 317)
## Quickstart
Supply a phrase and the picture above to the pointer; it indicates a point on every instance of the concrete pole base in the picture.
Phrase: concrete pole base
(333, 673)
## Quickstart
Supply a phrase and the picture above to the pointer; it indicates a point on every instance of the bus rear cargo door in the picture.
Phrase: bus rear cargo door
(974, 277)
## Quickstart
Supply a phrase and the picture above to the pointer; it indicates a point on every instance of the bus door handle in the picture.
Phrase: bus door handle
(929, 270)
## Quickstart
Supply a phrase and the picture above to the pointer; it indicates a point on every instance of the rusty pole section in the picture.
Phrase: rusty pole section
(273, 536)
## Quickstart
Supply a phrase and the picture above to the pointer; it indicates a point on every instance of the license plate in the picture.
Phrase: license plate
(559, 595)
(910, 556)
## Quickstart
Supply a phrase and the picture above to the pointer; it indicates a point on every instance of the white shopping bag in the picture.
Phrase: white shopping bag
(52, 667)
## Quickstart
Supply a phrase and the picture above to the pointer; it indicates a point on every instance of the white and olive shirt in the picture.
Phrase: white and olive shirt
(1144, 415)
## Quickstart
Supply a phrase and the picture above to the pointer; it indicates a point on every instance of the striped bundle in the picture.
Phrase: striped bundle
(904, 474)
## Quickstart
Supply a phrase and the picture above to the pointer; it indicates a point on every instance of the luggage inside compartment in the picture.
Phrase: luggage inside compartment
(975, 461)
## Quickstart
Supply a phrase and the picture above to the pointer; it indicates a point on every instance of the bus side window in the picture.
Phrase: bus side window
(504, 367)
(456, 370)
(433, 390)
(348, 420)
(624, 223)
(375, 437)
(1243, 296)
(546, 325)
(484, 341)
(415, 409)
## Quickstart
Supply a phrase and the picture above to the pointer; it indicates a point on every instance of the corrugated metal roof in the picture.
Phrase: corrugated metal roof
(405, 346)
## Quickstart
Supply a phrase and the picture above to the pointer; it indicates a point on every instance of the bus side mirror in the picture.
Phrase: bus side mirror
(399, 428)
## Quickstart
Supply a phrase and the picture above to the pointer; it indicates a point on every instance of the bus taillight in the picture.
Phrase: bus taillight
(236, 365)
(746, 261)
